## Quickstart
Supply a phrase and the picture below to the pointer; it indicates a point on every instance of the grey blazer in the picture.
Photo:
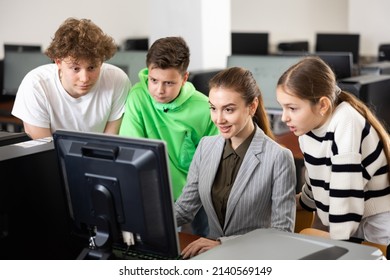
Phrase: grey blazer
(262, 196)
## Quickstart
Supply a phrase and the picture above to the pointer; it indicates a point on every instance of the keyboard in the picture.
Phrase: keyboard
(130, 254)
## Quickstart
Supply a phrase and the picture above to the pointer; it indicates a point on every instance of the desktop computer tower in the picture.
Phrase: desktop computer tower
(374, 91)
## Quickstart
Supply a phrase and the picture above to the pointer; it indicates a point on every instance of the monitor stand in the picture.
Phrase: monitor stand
(95, 254)
(100, 245)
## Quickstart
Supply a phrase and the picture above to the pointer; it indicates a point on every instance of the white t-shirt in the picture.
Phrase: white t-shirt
(42, 101)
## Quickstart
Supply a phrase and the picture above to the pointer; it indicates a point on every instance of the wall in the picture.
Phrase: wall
(287, 20)
(371, 19)
(36, 21)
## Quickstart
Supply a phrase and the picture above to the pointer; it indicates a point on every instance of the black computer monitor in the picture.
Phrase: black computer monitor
(117, 184)
(22, 48)
(131, 62)
(339, 42)
(254, 43)
(266, 70)
(374, 91)
(17, 65)
(340, 62)
(136, 44)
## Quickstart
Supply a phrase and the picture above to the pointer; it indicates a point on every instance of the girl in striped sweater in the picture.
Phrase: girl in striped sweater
(346, 151)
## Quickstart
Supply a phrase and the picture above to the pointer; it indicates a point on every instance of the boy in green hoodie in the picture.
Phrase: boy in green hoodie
(164, 105)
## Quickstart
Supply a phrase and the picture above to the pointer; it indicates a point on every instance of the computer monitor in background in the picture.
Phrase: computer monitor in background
(340, 62)
(131, 62)
(249, 43)
(374, 91)
(117, 184)
(266, 69)
(17, 65)
(339, 42)
(136, 44)
(22, 48)
(293, 46)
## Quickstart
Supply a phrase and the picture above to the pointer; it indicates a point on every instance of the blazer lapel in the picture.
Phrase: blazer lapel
(212, 161)
(249, 164)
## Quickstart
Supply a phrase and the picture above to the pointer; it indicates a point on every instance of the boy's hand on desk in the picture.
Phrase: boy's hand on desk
(199, 246)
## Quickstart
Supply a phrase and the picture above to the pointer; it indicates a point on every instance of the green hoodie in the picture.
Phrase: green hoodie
(181, 124)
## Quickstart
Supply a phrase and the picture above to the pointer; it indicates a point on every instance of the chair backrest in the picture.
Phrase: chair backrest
(200, 79)
(384, 52)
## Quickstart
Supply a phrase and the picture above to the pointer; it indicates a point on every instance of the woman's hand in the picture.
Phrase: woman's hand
(198, 246)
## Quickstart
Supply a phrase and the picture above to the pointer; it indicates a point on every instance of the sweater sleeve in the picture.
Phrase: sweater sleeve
(346, 186)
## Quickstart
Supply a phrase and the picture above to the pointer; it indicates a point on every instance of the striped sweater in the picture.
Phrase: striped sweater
(346, 172)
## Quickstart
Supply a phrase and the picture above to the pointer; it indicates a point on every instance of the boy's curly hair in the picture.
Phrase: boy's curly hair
(81, 39)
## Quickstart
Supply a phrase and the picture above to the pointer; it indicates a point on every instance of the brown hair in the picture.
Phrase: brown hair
(242, 81)
(169, 52)
(81, 39)
(311, 78)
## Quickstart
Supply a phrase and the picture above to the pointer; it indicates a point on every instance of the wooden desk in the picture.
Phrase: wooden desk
(290, 141)
(186, 238)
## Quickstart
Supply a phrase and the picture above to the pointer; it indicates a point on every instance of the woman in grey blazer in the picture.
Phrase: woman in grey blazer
(242, 177)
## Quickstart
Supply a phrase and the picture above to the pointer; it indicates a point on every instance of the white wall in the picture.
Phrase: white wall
(372, 20)
(35, 21)
(290, 20)
(204, 30)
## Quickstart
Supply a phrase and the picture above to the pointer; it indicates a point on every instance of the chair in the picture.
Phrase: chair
(384, 52)
(200, 79)
(303, 219)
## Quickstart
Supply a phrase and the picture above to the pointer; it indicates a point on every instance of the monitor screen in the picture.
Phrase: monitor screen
(17, 65)
(22, 48)
(116, 184)
(373, 90)
(340, 62)
(333, 42)
(131, 62)
(249, 43)
(266, 70)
